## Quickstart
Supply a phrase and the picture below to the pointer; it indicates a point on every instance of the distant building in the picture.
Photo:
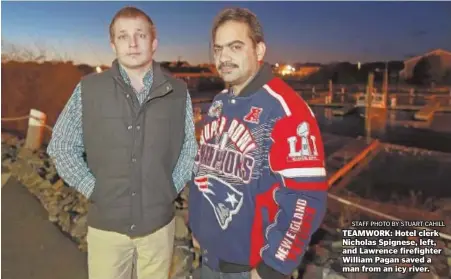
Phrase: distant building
(177, 68)
(305, 70)
(409, 64)
(212, 68)
(201, 77)
(181, 64)
(86, 69)
(183, 69)
(296, 70)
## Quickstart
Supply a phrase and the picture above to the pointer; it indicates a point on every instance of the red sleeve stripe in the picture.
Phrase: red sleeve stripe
(288, 98)
(305, 186)
(279, 98)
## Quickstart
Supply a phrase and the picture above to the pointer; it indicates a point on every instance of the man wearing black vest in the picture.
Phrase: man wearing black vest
(135, 124)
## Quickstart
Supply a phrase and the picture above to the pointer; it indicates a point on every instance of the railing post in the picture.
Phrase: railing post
(393, 101)
(331, 89)
(369, 97)
(35, 132)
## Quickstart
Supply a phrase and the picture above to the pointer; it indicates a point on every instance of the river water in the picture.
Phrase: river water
(396, 127)
(417, 172)
(391, 126)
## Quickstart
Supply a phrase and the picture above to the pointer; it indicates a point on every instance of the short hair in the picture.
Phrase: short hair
(240, 15)
(132, 12)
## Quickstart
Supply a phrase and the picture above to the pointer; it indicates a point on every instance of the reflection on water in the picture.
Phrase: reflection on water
(396, 172)
(392, 126)
(410, 172)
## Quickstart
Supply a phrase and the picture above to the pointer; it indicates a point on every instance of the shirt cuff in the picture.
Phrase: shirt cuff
(86, 186)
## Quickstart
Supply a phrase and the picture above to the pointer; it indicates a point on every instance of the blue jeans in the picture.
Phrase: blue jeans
(208, 273)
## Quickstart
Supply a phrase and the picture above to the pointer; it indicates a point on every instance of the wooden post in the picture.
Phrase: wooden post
(330, 88)
(369, 97)
(197, 114)
(36, 127)
(393, 101)
(385, 85)
(411, 96)
(342, 95)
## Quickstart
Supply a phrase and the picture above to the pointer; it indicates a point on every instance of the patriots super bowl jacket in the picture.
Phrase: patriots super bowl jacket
(259, 189)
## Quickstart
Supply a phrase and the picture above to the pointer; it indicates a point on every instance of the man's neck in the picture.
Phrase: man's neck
(239, 87)
(139, 73)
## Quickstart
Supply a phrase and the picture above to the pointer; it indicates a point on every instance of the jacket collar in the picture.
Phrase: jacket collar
(263, 76)
(160, 84)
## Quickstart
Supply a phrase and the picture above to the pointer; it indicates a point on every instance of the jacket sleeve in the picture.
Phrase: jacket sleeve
(296, 159)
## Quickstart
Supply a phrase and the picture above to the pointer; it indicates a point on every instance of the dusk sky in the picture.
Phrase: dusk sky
(295, 31)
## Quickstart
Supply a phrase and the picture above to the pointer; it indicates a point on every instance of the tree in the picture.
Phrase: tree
(447, 77)
(437, 70)
(422, 72)
(429, 69)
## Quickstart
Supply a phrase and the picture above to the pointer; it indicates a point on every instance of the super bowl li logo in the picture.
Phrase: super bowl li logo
(308, 149)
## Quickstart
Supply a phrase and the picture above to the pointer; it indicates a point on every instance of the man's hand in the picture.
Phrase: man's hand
(254, 274)
(195, 243)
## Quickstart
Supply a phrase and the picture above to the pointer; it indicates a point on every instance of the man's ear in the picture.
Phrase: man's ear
(154, 45)
(113, 47)
(261, 50)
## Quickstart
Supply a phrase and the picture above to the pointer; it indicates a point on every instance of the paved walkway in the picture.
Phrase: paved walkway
(32, 247)
(5, 177)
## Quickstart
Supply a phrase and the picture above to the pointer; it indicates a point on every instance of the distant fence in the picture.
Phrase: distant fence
(354, 88)
(37, 126)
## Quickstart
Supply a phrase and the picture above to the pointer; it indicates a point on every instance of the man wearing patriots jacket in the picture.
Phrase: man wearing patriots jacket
(259, 189)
